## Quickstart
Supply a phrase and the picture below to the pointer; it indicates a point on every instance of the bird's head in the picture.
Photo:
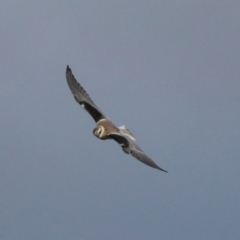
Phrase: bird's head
(99, 131)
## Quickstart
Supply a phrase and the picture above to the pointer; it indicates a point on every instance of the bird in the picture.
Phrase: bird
(105, 128)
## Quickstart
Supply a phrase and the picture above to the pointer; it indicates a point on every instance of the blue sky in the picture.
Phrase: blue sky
(169, 71)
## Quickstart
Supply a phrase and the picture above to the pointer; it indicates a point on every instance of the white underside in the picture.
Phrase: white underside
(126, 132)
(82, 105)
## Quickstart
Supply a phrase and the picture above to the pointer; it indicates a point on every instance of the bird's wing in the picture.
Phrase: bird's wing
(130, 147)
(82, 97)
(141, 156)
(123, 141)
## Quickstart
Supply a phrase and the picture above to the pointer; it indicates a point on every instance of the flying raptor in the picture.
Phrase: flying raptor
(105, 129)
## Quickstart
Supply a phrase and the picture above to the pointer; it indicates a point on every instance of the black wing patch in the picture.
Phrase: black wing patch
(119, 139)
(82, 97)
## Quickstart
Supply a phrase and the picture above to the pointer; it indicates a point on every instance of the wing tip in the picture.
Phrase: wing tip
(162, 169)
(68, 69)
(69, 74)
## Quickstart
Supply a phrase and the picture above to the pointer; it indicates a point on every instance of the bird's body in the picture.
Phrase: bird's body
(105, 129)
(108, 128)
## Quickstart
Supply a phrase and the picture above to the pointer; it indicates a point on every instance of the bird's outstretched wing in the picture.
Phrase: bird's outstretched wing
(82, 97)
(130, 147)
(141, 156)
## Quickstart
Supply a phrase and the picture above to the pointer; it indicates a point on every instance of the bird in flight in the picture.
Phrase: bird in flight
(105, 129)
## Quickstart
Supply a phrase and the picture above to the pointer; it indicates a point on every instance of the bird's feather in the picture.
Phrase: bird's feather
(82, 97)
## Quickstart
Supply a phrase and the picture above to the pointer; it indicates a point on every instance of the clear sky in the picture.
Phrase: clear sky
(169, 71)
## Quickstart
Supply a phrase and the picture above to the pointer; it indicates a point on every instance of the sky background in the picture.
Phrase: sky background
(169, 71)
